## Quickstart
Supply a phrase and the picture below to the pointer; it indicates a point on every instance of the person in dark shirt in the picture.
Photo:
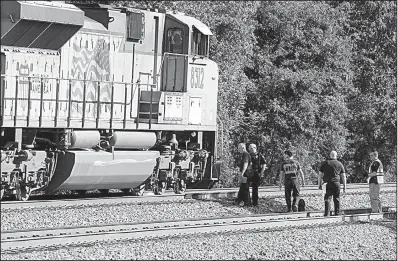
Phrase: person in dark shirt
(258, 167)
(375, 178)
(288, 176)
(244, 161)
(330, 172)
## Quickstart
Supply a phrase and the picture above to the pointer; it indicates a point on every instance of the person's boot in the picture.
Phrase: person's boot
(336, 210)
(327, 209)
(294, 208)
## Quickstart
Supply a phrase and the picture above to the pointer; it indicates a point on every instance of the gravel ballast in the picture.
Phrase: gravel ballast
(375, 240)
(47, 217)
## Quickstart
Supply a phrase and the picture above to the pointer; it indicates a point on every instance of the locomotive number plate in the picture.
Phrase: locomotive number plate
(197, 77)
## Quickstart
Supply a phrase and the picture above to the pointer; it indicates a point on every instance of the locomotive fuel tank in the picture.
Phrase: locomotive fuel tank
(132, 140)
(85, 139)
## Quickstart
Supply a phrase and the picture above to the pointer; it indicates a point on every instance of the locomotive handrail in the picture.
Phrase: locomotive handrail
(41, 81)
(177, 54)
(78, 79)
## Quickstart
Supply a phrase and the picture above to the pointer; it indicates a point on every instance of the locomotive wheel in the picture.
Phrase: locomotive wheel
(23, 192)
(161, 187)
(104, 191)
(175, 187)
(182, 185)
(179, 186)
(81, 193)
(155, 190)
(1, 194)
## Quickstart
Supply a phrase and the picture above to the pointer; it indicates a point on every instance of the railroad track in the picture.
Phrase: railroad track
(268, 191)
(28, 240)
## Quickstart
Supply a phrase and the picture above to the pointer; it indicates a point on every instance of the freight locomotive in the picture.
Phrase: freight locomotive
(95, 97)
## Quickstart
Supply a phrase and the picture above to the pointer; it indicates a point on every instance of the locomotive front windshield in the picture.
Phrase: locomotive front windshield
(175, 38)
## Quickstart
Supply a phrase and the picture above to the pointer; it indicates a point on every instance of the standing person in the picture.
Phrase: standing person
(288, 174)
(243, 194)
(258, 167)
(375, 178)
(330, 171)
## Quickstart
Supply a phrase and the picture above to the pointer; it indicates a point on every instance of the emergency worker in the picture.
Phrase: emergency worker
(258, 167)
(375, 178)
(244, 161)
(330, 172)
(288, 175)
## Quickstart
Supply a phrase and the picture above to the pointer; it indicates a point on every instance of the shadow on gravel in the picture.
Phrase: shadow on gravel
(265, 205)
(70, 195)
(391, 224)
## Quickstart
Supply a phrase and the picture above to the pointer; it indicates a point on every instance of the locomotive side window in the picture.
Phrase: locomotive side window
(135, 26)
(175, 38)
(199, 43)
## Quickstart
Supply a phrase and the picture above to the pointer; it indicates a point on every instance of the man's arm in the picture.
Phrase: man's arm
(244, 168)
(344, 181)
(320, 177)
(263, 167)
(263, 164)
(302, 177)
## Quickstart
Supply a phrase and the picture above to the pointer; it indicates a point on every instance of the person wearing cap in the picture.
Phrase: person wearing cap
(330, 172)
(375, 178)
(288, 176)
(258, 167)
(244, 193)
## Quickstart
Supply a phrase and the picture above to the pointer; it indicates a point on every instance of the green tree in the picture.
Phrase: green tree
(302, 75)
(372, 122)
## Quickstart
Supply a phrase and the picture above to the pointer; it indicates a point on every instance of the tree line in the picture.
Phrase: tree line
(308, 76)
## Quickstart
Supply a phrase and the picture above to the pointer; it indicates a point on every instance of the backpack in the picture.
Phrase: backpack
(301, 205)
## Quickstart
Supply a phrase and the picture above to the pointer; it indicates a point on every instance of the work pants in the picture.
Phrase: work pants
(255, 180)
(244, 193)
(332, 190)
(292, 185)
(374, 193)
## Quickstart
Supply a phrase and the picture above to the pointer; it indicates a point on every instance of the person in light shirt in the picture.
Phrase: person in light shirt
(375, 178)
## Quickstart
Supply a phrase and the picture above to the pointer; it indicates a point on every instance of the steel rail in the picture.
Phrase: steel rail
(25, 240)
(171, 197)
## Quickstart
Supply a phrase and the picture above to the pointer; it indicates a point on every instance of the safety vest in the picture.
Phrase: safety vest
(379, 172)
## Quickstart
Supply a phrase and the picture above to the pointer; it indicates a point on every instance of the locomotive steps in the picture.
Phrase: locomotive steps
(25, 240)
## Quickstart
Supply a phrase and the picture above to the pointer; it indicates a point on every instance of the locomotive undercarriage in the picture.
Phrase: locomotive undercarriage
(30, 158)
(177, 171)
(24, 171)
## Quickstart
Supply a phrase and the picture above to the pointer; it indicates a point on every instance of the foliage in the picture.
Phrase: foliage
(302, 73)
(373, 120)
